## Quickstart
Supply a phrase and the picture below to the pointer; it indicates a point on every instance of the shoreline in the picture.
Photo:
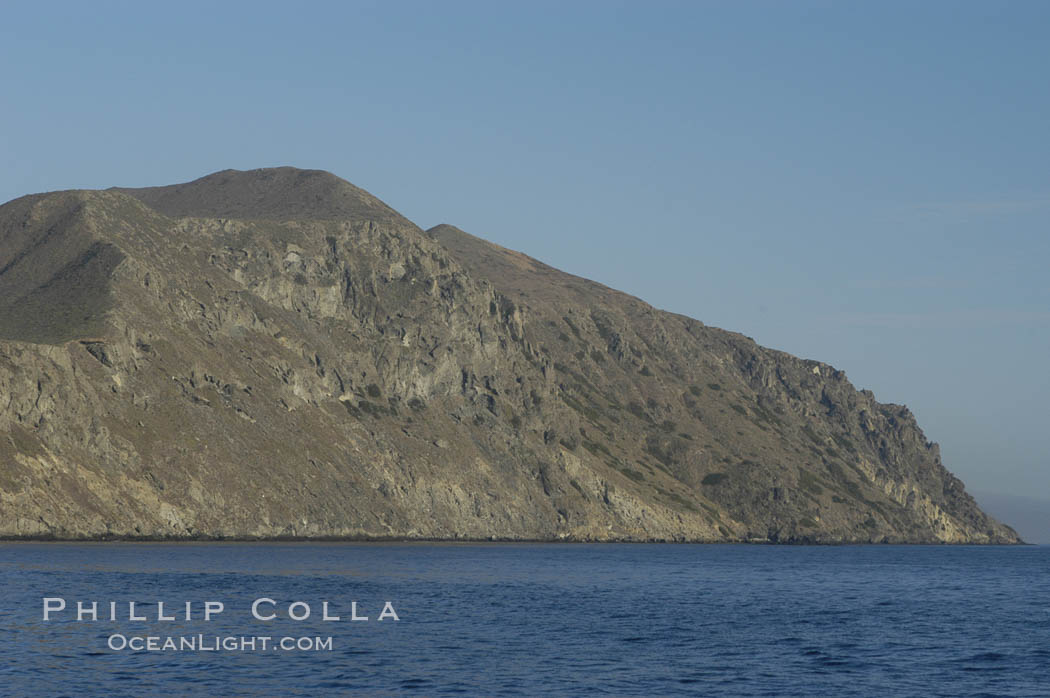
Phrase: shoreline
(482, 541)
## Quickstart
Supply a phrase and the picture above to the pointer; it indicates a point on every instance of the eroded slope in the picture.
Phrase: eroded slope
(278, 353)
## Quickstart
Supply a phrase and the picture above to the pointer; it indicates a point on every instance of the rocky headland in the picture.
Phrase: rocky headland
(277, 353)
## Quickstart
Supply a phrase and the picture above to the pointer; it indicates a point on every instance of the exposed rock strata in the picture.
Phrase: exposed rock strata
(278, 353)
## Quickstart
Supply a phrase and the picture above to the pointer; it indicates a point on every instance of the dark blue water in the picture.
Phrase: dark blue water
(537, 619)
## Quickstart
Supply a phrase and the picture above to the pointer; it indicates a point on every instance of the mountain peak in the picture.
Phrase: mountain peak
(276, 193)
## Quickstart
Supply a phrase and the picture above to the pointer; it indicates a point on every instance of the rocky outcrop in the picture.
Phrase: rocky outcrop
(278, 353)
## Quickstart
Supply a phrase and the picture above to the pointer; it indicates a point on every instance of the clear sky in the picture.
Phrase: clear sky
(863, 183)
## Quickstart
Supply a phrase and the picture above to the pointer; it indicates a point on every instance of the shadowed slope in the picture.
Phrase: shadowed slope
(54, 273)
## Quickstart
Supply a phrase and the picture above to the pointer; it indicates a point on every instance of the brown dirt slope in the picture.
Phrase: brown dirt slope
(278, 353)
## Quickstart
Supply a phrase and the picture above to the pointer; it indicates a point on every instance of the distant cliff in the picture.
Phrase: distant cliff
(279, 353)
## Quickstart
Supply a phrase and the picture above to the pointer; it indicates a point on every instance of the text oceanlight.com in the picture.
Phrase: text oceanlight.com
(217, 643)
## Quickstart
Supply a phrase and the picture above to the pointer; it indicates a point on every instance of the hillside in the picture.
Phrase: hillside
(278, 353)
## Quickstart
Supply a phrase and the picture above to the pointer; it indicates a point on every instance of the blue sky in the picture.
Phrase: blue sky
(864, 183)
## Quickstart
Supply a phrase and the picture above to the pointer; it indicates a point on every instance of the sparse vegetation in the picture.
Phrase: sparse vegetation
(632, 474)
(808, 431)
(594, 448)
(809, 482)
(575, 330)
(681, 501)
(635, 408)
(844, 442)
(459, 394)
(372, 409)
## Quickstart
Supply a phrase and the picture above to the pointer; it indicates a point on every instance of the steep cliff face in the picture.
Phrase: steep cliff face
(278, 353)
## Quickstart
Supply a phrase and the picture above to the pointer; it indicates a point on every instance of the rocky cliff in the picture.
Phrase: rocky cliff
(279, 353)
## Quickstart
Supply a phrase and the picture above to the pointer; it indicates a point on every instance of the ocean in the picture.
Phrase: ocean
(523, 619)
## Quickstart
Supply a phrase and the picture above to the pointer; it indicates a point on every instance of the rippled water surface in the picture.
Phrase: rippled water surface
(522, 619)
